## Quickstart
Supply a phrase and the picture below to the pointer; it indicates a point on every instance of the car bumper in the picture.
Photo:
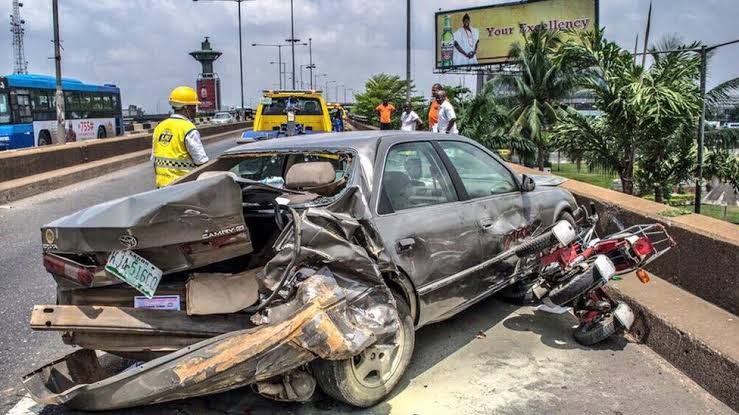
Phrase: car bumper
(319, 328)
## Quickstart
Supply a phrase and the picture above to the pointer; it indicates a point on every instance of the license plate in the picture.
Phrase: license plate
(134, 271)
(158, 302)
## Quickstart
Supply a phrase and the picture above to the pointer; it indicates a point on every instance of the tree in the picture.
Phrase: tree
(647, 112)
(542, 84)
(385, 87)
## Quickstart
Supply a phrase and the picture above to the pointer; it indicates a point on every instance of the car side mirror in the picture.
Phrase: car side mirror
(527, 184)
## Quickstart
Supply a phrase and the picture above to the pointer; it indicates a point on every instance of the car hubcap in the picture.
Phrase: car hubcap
(378, 363)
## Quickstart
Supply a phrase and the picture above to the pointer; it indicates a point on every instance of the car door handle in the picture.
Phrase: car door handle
(486, 224)
(404, 245)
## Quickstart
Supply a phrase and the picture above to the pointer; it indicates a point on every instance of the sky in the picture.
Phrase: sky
(142, 45)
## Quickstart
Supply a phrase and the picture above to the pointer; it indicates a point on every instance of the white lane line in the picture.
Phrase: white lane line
(26, 406)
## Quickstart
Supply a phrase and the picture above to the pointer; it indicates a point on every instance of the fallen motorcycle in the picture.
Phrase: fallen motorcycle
(571, 269)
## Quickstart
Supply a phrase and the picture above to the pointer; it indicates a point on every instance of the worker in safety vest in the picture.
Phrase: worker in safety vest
(176, 145)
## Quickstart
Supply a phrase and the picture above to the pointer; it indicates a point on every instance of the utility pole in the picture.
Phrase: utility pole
(310, 57)
(241, 69)
(408, 52)
(59, 136)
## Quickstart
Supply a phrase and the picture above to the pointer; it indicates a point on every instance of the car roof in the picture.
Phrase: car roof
(281, 94)
(363, 142)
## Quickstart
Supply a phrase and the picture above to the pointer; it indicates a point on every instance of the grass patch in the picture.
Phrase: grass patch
(569, 170)
(673, 212)
(717, 212)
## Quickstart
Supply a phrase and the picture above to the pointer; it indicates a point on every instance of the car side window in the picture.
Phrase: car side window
(414, 176)
(480, 173)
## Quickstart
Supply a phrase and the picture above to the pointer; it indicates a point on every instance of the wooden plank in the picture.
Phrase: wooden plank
(103, 319)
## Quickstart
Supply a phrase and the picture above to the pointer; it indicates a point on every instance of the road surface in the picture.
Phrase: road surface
(492, 358)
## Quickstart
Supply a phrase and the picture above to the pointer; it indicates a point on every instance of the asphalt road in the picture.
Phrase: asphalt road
(492, 358)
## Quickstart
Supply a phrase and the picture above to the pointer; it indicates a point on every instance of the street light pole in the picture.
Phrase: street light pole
(310, 57)
(701, 132)
(241, 67)
(292, 40)
(59, 95)
(408, 52)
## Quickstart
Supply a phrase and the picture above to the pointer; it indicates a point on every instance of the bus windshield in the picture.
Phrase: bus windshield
(4, 109)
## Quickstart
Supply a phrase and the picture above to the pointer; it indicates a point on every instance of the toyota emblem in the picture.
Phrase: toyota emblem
(129, 241)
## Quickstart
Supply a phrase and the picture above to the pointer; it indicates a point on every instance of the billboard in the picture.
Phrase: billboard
(207, 89)
(483, 35)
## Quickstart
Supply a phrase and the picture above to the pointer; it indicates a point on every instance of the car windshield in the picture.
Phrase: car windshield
(303, 106)
(271, 169)
(222, 115)
(4, 109)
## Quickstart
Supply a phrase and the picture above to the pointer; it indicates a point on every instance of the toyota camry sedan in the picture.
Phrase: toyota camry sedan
(287, 264)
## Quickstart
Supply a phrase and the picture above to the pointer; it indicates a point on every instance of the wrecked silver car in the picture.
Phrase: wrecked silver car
(284, 264)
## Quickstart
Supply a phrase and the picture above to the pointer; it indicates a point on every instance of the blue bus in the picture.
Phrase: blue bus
(28, 110)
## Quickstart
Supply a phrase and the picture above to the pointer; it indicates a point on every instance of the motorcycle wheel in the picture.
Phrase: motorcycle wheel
(520, 293)
(589, 334)
(572, 288)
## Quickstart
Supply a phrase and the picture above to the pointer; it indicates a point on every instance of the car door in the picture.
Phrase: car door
(498, 205)
(424, 224)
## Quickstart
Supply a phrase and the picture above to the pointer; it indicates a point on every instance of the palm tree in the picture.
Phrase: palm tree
(539, 88)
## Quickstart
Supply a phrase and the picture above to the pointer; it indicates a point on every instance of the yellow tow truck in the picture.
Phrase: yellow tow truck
(287, 113)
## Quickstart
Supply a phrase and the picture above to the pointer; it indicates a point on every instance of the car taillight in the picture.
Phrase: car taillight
(643, 246)
(75, 272)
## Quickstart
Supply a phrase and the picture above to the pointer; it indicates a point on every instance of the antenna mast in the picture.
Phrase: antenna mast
(20, 65)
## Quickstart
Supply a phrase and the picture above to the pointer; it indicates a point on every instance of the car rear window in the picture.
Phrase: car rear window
(303, 106)
(271, 169)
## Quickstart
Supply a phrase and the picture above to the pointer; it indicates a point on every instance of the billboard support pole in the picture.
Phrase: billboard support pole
(408, 52)
(59, 95)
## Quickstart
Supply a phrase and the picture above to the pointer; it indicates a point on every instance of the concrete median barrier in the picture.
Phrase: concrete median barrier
(29, 172)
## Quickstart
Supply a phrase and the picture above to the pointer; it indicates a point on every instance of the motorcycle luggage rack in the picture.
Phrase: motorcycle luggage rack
(660, 240)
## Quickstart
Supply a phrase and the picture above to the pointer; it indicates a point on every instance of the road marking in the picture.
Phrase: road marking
(26, 406)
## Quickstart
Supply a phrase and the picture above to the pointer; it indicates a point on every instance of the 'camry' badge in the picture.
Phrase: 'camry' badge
(129, 241)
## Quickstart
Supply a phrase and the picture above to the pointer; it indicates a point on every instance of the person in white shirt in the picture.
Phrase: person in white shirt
(466, 40)
(447, 117)
(409, 120)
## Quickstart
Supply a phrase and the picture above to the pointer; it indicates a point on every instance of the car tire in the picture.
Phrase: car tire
(44, 138)
(589, 334)
(343, 379)
(572, 288)
(101, 132)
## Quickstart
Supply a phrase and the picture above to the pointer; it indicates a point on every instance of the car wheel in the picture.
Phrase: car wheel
(591, 333)
(101, 132)
(572, 288)
(44, 138)
(370, 376)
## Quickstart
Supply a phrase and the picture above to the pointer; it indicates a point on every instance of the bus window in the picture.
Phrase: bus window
(108, 105)
(4, 109)
(41, 105)
(97, 103)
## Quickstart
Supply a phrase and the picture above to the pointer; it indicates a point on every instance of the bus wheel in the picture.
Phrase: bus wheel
(44, 138)
(101, 132)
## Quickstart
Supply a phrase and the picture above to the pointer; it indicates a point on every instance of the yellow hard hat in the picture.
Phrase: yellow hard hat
(183, 95)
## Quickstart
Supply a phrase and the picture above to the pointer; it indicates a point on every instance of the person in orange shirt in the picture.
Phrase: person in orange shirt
(434, 108)
(385, 112)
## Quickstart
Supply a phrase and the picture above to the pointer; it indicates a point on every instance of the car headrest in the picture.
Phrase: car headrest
(209, 174)
(310, 174)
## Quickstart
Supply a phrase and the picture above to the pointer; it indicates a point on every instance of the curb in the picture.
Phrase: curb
(22, 188)
(695, 337)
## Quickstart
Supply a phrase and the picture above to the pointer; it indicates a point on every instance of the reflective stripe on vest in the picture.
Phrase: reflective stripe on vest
(171, 159)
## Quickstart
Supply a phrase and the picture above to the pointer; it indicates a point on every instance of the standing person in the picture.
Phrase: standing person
(434, 108)
(385, 112)
(337, 122)
(466, 40)
(447, 118)
(409, 120)
(176, 145)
